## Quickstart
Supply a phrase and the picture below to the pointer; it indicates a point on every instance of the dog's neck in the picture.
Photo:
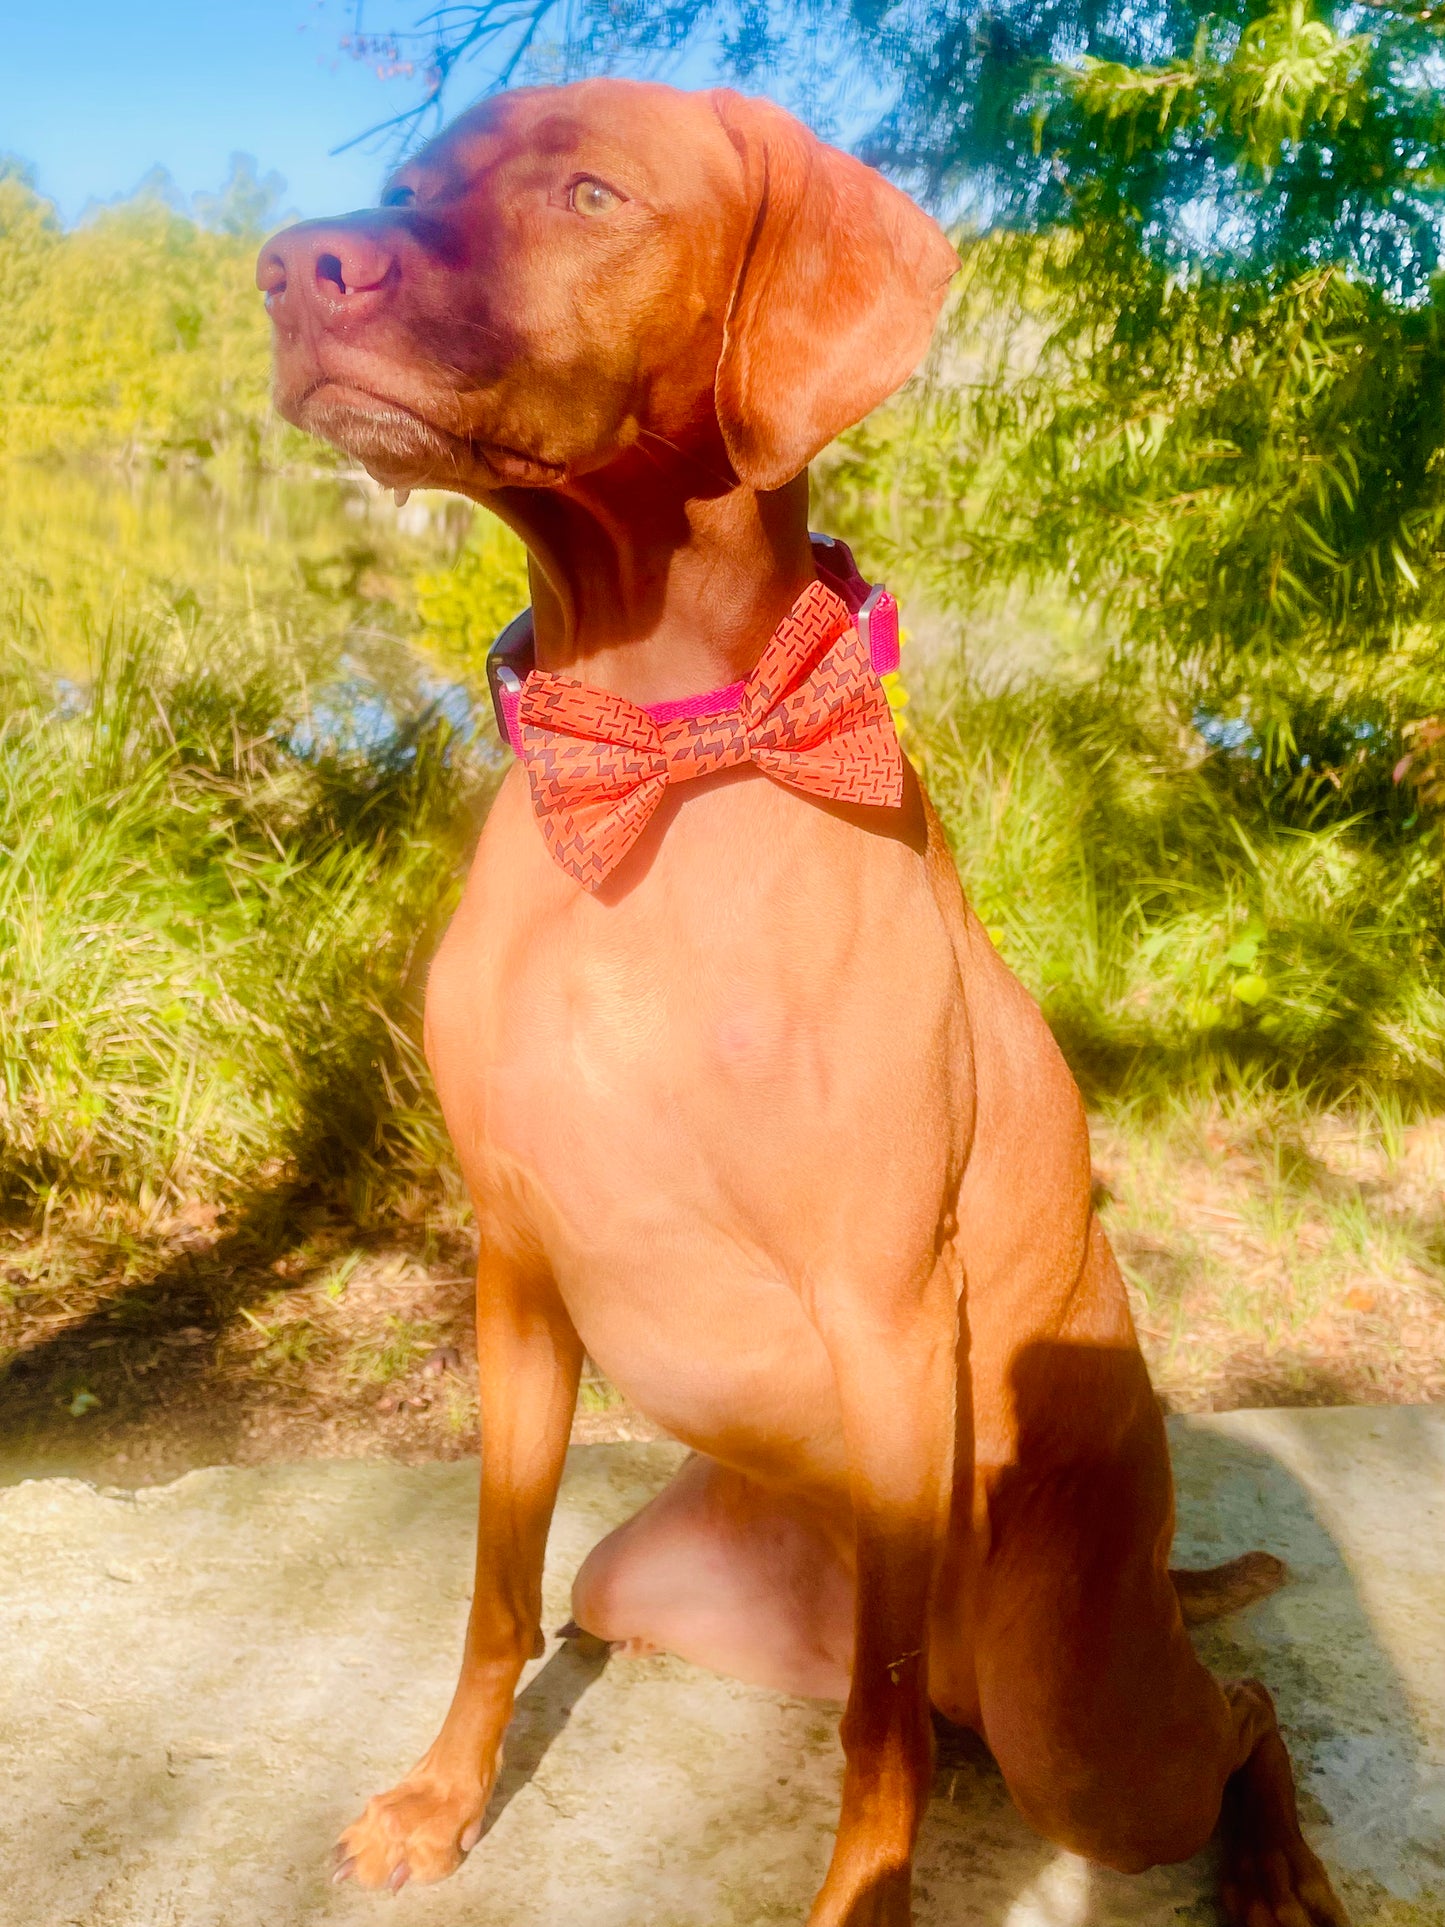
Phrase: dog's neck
(647, 587)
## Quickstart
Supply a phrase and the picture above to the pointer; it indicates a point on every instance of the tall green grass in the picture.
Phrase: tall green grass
(217, 894)
(1193, 923)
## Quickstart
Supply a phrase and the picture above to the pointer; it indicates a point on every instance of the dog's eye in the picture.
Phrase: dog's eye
(592, 197)
(399, 197)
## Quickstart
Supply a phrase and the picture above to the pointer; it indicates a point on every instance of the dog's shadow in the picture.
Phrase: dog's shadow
(541, 1715)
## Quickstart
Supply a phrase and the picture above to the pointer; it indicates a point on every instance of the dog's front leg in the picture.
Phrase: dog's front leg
(894, 1360)
(530, 1360)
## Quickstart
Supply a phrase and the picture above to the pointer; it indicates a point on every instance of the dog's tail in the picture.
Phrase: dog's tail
(1218, 1590)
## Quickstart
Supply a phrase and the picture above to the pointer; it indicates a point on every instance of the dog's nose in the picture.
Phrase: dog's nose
(340, 269)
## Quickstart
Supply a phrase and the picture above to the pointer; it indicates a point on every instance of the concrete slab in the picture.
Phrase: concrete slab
(200, 1683)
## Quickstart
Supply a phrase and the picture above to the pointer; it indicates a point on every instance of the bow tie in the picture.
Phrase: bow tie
(812, 715)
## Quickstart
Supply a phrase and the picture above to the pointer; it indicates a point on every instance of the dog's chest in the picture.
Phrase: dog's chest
(705, 1097)
(622, 1085)
(710, 1054)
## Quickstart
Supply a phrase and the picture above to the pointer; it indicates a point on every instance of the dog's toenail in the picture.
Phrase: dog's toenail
(399, 1877)
(344, 1871)
(470, 1836)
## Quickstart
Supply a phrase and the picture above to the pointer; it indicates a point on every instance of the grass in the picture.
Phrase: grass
(1189, 920)
(1277, 1255)
(393, 1351)
(219, 900)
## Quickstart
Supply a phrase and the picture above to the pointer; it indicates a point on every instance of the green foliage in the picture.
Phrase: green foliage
(1226, 468)
(139, 333)
(327, 558)
(217, 898)
(1203, 382)
(1185, 927)
(1286, 75)
(462, 609)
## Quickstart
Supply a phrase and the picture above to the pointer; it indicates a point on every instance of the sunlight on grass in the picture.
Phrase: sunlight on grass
(1184, 926)
(338, 1276)
(217, 920)
(390, 1353)
(1257, 1235)
(286, 1341)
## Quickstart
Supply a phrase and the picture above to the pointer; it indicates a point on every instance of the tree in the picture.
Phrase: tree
(136, 332)
(245, 205)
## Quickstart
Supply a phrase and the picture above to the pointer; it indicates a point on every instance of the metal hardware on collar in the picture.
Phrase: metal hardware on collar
(506, 700)
(877, 624)
(510, 660)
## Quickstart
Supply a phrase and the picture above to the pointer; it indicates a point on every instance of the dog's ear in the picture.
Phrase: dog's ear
(840, 283)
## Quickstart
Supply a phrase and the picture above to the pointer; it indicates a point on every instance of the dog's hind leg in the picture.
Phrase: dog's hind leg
(1270, 1876)
(1112, 1736)
(729, 1575)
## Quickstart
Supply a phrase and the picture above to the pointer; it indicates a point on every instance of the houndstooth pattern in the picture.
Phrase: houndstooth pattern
(812, 715)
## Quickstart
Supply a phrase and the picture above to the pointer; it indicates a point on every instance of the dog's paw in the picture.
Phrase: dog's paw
(1283, 1885)
(421, 1830)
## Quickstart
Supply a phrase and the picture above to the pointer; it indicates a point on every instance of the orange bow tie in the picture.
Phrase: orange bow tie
(812, 714)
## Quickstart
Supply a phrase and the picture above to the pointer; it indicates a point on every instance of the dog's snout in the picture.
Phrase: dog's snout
(347, 265)
(271, 274)
(339, 270)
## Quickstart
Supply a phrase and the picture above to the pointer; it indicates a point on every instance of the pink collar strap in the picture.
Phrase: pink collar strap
(511, 658)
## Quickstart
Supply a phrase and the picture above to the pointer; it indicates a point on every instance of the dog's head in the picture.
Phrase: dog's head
(568, 272)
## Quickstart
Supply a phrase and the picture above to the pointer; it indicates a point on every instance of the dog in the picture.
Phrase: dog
(748, 1106)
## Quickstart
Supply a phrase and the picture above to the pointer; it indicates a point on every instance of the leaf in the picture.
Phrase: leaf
(339, 1275)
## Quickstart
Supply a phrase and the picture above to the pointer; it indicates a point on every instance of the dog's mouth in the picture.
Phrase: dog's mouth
(398, 446)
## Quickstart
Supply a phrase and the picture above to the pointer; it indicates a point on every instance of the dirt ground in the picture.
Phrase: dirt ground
(1265, 1268)
(1269, 1265)
(131, 1360)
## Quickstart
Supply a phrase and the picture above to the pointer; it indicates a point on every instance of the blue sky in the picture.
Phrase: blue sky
(98, 91)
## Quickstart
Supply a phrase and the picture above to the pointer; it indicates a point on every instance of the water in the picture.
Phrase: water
(325, 565)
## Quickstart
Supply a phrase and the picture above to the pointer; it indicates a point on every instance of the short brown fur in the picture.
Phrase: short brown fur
(766, 1126)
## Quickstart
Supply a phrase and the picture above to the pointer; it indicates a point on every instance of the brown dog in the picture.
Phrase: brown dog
(764, 1124)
